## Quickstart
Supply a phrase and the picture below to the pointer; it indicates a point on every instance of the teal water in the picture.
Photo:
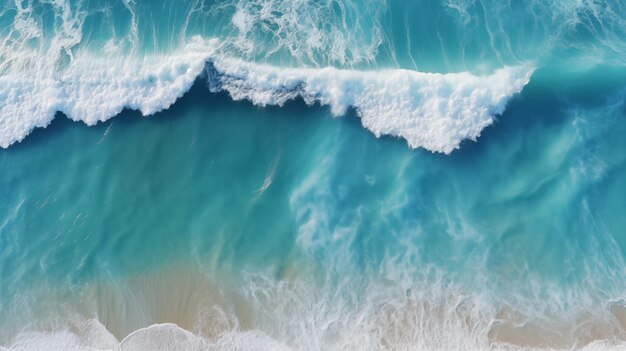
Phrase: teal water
(261, 207)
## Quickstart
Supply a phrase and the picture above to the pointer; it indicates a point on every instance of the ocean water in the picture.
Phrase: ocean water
(312, 175)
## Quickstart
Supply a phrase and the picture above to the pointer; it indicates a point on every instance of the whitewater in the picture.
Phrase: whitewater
(432, 111)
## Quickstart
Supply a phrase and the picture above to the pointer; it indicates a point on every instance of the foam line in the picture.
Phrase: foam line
(430, 110)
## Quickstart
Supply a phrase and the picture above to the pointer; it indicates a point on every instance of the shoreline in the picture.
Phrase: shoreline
(184, 303)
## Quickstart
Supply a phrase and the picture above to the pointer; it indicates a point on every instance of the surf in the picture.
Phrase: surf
(429, 110)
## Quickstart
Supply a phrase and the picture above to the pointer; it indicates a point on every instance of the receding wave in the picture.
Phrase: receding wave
(168, 337)
(301, 313)
(420, 320)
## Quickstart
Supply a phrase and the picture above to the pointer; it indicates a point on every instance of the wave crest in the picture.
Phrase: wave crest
(430, 110)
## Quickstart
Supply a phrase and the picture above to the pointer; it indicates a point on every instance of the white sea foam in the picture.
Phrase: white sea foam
(391, 319)
(433, 111)
(429, 110)
(402, 306)
(92, 335)
(93, 89)
(313, 32)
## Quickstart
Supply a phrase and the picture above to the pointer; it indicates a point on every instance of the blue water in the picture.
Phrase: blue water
(270, 202)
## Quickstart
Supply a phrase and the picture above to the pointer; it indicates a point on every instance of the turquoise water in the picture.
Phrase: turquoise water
(302, 182)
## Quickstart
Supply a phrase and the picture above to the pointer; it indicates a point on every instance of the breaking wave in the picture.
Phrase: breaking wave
(430, 110)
